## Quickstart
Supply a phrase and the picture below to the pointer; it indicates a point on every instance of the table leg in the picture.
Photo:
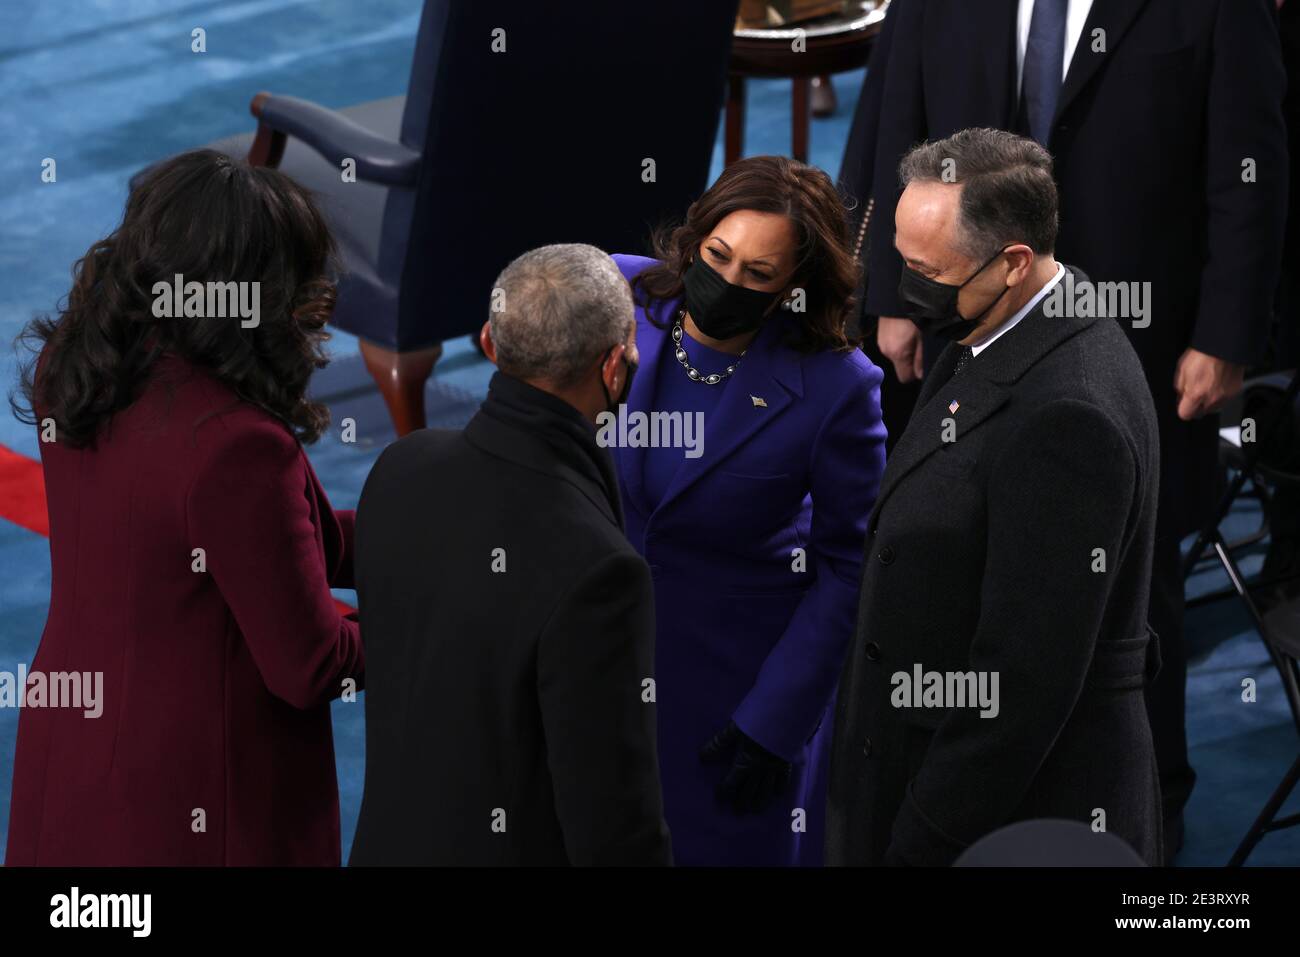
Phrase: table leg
(734, 144)
(799, 118)
(823, 97)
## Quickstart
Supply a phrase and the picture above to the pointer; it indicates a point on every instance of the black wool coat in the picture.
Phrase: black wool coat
(1021, 548)
(509, 634)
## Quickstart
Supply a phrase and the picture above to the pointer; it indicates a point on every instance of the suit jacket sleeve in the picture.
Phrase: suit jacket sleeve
(1062, 488)
(901, 126)
(594, 654)
(858, 166)
(1247, 220)
(248, 509)
(798, 677)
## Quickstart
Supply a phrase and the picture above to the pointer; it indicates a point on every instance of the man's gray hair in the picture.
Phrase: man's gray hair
(555, 309)
(1008, 191)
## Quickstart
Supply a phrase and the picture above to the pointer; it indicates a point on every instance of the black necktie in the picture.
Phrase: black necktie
(1040, 78)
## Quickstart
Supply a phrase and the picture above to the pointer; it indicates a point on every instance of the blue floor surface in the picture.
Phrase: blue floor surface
(105, 87)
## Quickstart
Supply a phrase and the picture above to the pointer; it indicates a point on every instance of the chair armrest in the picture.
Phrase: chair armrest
(332, 135)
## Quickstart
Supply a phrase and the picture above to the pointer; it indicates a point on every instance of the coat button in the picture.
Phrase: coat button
(866, 747)
(873, 651)
(886, 555)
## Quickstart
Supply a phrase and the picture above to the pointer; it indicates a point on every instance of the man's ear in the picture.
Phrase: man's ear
(612, 369)
(485, 340)
(1022, 258)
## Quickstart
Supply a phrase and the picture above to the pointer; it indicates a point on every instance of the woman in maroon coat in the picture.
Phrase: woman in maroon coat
(193, 548)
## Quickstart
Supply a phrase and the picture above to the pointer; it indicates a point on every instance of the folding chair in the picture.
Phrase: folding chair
(1279, 627)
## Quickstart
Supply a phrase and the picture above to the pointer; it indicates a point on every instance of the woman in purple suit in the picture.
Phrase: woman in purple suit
(748, 496)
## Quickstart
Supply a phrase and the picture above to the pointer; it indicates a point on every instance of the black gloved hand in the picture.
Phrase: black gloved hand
(756, 776)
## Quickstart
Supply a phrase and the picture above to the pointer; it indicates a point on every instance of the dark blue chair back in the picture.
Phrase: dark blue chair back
(544, 142)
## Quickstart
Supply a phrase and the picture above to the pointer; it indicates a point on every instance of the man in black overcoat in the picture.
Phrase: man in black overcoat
(1165, 121)
(1002, 645)
(508, 623)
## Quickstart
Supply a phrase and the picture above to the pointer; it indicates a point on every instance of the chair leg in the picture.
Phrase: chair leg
(267, 148)
(1264, 821)
(799, 117)
(401, 377)
(1205, 538)
(1280, 661)
(1266, 816)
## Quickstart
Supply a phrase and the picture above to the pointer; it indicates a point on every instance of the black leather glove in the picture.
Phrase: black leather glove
(756, 776)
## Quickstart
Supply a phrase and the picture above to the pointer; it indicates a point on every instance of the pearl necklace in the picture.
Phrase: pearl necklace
(713, 378)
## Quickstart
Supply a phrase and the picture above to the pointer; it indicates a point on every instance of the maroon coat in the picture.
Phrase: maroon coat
(216, 682)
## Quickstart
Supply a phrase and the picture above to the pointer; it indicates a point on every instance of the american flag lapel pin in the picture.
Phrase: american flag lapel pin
(954, 405)
(759, 402)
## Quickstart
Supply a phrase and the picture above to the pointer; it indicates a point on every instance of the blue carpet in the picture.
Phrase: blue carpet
(107, 86)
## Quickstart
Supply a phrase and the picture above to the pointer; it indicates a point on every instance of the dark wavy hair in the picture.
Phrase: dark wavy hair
(209, 218)
(824, 264)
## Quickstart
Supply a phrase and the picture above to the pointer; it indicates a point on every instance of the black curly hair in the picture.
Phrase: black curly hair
(209, 218)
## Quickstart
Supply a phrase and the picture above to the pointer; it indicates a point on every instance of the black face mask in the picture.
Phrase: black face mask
(934, 304)
(722, 310)
(630, 367)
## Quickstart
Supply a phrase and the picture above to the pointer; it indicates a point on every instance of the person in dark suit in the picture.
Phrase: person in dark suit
(510, 626)
(1282, 560)
(855, 180)
(1165, 121)
(1002, 640)
(192, 547)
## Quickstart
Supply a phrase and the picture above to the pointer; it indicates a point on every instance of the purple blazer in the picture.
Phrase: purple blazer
(756, 551)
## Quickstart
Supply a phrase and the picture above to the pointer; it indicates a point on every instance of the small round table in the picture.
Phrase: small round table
(831, 44)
